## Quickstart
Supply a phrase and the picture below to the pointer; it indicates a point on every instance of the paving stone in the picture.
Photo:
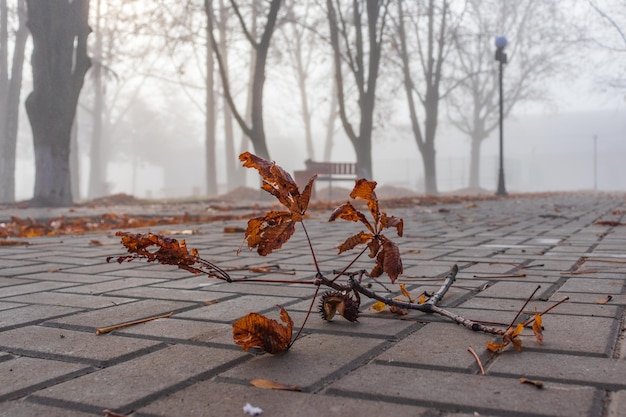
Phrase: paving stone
(8, 305)
(236, 308)
(5, 282)
(593, 285)
(20, 376)
(310, 362)
(67, 276)
(121, 313)
(32, 287)
(576, 309)
(122, 385)
(70, 300)
(617, 406)
(32, 314)
(108, 286)
(590, 298)
(174, 329)
(449, 391)
(602, 372)
(20, 408)
(438, 345)
(168, 294)
(214, 398)
(70, 345)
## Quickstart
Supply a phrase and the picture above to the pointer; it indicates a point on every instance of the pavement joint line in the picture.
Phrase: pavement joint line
(600, 385)
(452, 408)
(142, 402)
(85, 361)
(65, 404)
(24, 392)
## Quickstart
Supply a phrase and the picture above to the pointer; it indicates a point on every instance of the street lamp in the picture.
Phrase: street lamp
(501, 43)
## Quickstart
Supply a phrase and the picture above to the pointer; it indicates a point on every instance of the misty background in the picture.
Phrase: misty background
(567, 133)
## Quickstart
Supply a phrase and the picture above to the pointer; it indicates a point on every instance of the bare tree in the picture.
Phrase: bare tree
(10, 88)
(474, 104)
(356, 37)
(430, 30)
(59, 30)
(255, 129)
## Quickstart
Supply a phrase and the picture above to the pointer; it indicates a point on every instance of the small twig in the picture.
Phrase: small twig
(530, 320)
(350, 264)
(480, 364)
(581, 272)
(450, 278)
(104, 330)
(524, 306)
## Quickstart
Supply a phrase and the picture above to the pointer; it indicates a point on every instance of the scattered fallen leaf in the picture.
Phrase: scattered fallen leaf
(609, 223)
(269, 384)
(6, 242)
(234, 230)
(538, 384)
(211, 302)
(510, 336)
(53, 270)
(604, 300)
(179, 232)
(104, 330)
(378, 306)
(257, 331)
(95, 242)
(538, 329)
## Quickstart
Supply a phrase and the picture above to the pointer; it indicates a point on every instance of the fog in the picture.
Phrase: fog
(573, 139)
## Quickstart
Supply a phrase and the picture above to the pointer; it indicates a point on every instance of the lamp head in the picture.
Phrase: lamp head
(501, 42)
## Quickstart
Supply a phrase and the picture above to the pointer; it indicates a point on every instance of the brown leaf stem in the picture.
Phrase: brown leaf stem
(104, 330)
(475, 355)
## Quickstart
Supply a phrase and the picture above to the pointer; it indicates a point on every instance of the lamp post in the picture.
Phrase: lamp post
(501, 43)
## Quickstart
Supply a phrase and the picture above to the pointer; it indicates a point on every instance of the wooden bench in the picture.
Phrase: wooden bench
(326, 171)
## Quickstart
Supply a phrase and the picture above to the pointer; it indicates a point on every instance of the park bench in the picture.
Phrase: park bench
(326, 171)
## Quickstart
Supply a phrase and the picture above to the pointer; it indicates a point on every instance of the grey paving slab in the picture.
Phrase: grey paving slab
(57, 291)
(20, 376)
(210, 398)
(451, 391)
(123, 385)
(68, 345)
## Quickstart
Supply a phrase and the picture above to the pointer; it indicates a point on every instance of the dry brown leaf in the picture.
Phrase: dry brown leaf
(257, 331)
(604, 300)
(538, 329)
(269, 384)
(536, 383)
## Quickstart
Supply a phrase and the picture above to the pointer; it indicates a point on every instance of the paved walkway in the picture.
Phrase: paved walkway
(55, 293)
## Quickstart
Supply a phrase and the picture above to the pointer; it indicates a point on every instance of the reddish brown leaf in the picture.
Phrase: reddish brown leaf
(391, 221)
(364, 190)
(355, 240)
(269, 232)
(257, 331)
(347, 212)
(392, 263)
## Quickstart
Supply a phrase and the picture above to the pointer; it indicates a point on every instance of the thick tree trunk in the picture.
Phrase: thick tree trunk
(97, 169)
(430, 169)
(474, 169)
(330, 126)
(10, 89)
(59, 29)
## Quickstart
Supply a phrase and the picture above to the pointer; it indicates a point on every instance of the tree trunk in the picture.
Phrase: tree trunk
(210, 153)
(97, 170)
(10, 90)
(234, 177)
(59, 29)
(430, 169)
(330, 126)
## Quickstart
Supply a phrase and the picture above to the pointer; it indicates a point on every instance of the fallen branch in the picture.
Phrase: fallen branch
(104, 330)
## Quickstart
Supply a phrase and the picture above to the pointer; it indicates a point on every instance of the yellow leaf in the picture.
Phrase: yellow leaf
(379, 306)
(269, 384)
(422, 299)
(537, 328)
(494, 347)
(405, 292)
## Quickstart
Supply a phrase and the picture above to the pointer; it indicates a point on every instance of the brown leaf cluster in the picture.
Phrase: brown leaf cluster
(167, 251)
(380, 247)
(269, 232)
(29, 227)
(257, 331)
